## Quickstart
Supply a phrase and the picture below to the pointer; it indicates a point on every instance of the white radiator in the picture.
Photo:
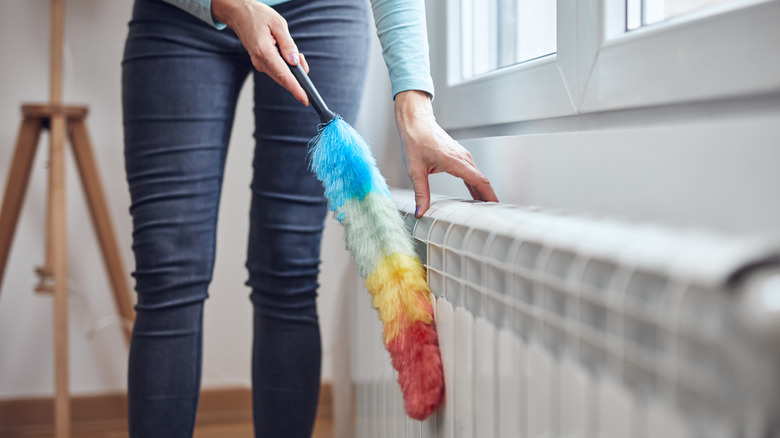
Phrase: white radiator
(556, 325)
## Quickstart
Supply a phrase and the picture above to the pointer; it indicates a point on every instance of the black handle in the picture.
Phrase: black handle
(326, 115)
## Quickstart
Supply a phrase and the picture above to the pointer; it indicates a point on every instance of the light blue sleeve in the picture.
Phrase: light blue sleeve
(400, 25)
(199, 8)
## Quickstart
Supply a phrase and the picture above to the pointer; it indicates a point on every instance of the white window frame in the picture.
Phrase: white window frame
(719, 52)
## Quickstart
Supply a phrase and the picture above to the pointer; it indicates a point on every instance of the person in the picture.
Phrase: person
(181, 75)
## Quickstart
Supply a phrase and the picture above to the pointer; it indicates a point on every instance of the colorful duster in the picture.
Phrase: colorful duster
(383, 252)
(382, 249)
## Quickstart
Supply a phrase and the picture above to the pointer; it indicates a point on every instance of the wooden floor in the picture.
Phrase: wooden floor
(114, 429)
(223, 413)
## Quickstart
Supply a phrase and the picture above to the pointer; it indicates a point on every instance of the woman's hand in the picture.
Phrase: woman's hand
(260, 28)
(430, 150)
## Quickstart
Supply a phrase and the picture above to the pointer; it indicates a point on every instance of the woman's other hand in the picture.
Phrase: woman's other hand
(430, 150)
(260, 28)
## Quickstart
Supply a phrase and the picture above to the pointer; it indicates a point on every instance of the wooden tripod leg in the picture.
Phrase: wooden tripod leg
(59, 266)
(101, 219)
(16, 185)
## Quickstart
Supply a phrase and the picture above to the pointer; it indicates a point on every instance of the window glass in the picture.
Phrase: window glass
(645, 12)
(500, 33)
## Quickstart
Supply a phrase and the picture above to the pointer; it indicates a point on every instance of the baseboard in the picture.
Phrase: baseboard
(34, 416)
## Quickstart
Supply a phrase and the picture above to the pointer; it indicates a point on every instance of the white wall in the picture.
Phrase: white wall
(95, 32)
(713, 167)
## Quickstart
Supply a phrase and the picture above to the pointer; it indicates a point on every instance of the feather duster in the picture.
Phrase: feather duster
(383, 252)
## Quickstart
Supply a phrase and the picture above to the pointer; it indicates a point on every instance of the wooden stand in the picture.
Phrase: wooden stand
(63, 122)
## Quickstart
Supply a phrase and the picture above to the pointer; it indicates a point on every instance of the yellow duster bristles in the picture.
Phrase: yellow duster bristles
(400, 293)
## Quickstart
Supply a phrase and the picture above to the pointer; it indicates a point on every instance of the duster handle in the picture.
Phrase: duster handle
(326, 115)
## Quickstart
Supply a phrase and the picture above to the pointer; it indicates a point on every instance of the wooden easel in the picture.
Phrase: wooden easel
(62, 122)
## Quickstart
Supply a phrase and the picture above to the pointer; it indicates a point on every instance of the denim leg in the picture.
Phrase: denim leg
(180, 82)
(288, 211)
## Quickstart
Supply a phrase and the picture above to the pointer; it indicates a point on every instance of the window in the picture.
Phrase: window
(490, 57)
(496, 62)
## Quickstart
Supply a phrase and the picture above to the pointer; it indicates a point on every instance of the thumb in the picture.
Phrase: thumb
(422, 193)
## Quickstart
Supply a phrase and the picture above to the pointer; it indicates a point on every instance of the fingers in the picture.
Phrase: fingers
(265, 35)
(478, 185)
(277, 67)
(281, 34)
(304, 63)
(435, 151)
(422, 192)
(472, 191)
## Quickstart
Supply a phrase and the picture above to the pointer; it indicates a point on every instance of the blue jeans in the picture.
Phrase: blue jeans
(180, 82)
